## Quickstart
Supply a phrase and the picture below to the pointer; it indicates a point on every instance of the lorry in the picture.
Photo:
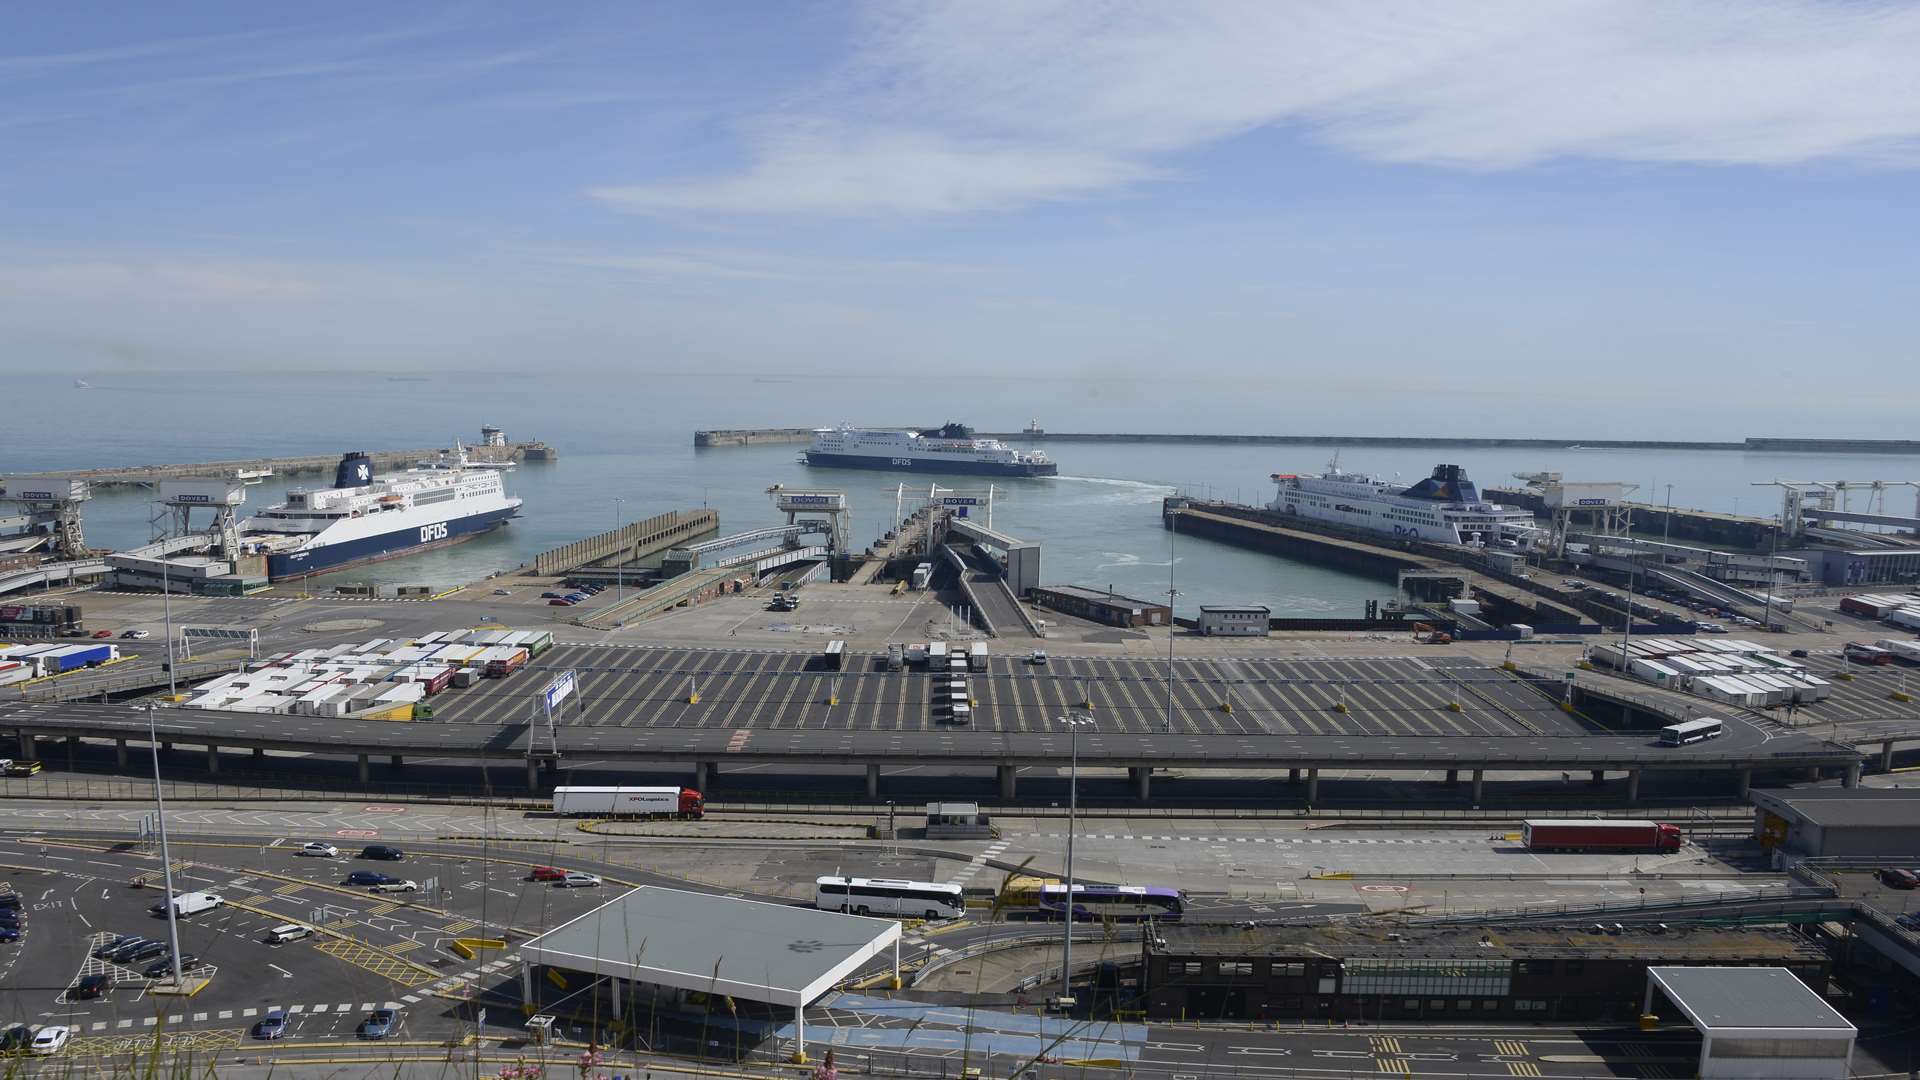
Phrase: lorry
(75, 657)
(896, 656)
(1425, 634)
(193, 903)
(677, 802)
(502, 667)
(1593, 834)
(977, 656)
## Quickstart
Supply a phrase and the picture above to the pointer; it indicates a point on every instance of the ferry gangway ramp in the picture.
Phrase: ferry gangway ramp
(985, 588)
(741, 548)
(711, 710)
(48, 575)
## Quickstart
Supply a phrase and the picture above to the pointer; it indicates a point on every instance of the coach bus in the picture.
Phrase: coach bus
(1692, 731)
(1118, 903)
(888, 896)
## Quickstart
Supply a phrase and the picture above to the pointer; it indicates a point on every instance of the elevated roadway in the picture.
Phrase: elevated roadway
(769, 709)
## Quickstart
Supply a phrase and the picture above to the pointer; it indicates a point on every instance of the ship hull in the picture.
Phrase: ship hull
(381, 546)
(904, 464)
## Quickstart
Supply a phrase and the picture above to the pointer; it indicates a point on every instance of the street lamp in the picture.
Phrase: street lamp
(1074, 724)
(620, 549)
(1173, 524)
(166, 855)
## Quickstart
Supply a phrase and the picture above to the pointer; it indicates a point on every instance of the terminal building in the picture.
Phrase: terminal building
(1838, 822)
(1755, 1022)
(1234, 620)
(1099, 606)
(1437, 973)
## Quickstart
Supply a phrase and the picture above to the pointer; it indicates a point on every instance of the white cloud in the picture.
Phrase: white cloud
(975, 105)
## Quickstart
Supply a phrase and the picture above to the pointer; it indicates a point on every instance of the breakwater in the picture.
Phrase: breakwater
(768, 436)
(383, 461)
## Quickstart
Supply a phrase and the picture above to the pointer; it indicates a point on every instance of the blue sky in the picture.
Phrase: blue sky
(1603, 197)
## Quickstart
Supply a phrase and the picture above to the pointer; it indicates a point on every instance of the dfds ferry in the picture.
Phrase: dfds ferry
(362, 519)
(951, 449)
(1445, 507)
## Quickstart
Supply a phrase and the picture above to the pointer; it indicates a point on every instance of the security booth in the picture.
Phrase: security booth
(958, 821)
(732, 972)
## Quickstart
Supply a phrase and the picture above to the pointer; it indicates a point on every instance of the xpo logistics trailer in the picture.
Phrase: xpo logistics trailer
(629, 801)
(1582, 834)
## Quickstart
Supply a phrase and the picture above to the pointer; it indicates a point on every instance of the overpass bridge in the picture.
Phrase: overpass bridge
(1021, 568)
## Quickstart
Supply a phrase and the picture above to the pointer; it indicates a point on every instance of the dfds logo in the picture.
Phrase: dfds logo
(430, 533)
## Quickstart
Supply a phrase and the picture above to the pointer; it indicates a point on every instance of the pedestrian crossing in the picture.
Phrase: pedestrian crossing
(176, 1019)
(978, 862)
(1476, 841)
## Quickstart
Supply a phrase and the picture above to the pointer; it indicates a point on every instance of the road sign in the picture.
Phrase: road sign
(558, 690)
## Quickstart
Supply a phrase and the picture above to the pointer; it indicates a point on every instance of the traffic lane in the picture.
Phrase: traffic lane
(1292, 1048)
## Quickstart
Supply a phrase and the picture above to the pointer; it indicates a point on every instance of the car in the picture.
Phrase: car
(551, 595)
(28, 767)
(91, 986)
(503, 592)
(396, 886)
(163, 967)
(1798, 654)
(1039, 658)
(559, 601)
(271, 1026)
(73, 631)
(379, 1024)
(51, 1039)
(370, 877)
(15, 1039)
(546, 873)
(126, 949)
(102, 634)
(112, 942)
(9, 899)
(10, 932)
(1895, 878)
(575, 879)
(12, 918)
(135, 635)
(383, 852)
(1910, 921)
(1712, 628)
(148, 951)
(318, 850)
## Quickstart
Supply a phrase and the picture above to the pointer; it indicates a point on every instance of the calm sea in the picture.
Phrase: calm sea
(633, 437)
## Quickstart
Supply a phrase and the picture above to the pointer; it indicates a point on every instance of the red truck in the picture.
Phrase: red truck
(500, 669)
(1582, 834)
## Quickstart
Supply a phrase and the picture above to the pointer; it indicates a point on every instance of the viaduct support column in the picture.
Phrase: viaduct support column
(394, 761)
(1633, 785)
(1886, 756)
(365, 776)
(120, 752)
(1745, 780)
(259, 752)
(1479, 785)
(1852, 779)
(1313, 786)
(1142, 777)
(1599, 776)
(1453, 776)
(873, 781)
(1293, 776)
(533, 774)
(213, 759)
(703, 772)
(1007, 785)
(26, 746)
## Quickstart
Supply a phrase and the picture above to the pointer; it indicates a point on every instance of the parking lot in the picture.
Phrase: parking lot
(366, 951)
(1867, 696)
(653, 687)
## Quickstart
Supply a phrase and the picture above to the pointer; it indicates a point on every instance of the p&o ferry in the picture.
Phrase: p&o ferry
(1446, 507)
(952, 448)
(363, 518)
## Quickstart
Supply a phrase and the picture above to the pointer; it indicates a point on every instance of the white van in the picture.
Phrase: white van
(286, 932)
(937, 656)
(962, 712)
(192, 903)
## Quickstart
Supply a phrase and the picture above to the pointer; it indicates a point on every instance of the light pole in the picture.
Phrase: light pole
(166, 854)
(166, 601)
(620, 550)
(1173, 524)
(1074, 724)
(1666, 520)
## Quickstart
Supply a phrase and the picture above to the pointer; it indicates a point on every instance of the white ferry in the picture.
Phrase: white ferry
(363, 519)
(1445, 507)
(951, 449)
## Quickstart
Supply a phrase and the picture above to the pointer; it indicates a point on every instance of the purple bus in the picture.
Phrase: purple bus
(1120, 903)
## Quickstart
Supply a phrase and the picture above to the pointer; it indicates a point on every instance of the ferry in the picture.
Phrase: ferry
(952, 448)
(363, 518)
(1445, 507)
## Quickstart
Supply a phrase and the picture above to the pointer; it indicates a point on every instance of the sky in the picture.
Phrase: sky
(1570, 194)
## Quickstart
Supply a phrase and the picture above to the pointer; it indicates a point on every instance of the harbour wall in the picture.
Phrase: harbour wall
(629, 542)
(1650, 521)
(767, 436)
(383, 461)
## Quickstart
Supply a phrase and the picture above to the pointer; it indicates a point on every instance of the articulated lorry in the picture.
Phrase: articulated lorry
(629, 801)
(1583, 834)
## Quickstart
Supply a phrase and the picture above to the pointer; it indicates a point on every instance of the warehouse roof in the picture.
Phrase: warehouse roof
(1773, 999)
(748, 949)
(1100, 596)
(1873, 807)
(1489, 942)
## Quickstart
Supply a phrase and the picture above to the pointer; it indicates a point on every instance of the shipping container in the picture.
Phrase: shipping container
(977, 656)
(1906, 618)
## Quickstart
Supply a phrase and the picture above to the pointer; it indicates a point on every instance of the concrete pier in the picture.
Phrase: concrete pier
(629, 542)
(383, 460)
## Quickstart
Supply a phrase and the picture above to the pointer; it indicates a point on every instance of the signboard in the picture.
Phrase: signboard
(558, 690)
(960, 500)
(808, 500)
